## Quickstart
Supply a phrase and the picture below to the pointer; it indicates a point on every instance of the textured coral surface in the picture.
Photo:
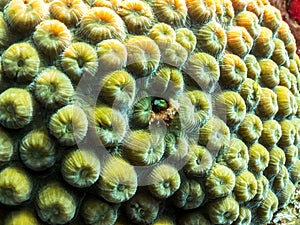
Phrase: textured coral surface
(290, 11)
(158, 112)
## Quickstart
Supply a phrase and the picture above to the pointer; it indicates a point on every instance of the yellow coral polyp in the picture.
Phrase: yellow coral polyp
(16, 108)
(6, 147)
(55, 204)
(137, 15)
(118, 180)
(211, 38)
(21, 62)
(52, 37)
(245, 186)
(224, 13)
(201, 11)
(277, 160)
(214, 135)
(258, 158)
(164, 181)
(267, 106)
(22, 217)
(5, 33)
(24, 15)
(143, 55)
(199, 161)
(204, 70)
(249, 21)
(190, 195)
(110, 125)
(143, 148)
(220, 181)
(280, 55)
(79, 59)
(118, 89)
(81, 168)
(271, 18)
(142, 208)
(168, 82)
(256, 7)
(239, 41)
(53, 89)
(112, 55)
(231, 108)
(251, 93)
(186, 38)
(267, 208)
(96, 211)
(68, 11)
(174, 55)
(163, 35)
(233, 71)
(37, 150)
(250, 128)
(68, 125)
(15, 186)
(253, 67)
(101, 23)
(172, 12)
(264, 45)
(236, 155)
(224, 210)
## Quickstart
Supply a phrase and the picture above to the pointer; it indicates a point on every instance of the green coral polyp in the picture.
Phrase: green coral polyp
(163, 112)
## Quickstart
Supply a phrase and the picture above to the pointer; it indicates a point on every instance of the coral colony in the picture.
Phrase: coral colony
(144, 112)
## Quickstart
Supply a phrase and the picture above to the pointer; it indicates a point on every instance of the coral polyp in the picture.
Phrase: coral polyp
(79, 59)
(15, 186)
(211, 38)
(20, 62)
(236, 156)
(24, 15)
(22, 216)
(148, 112)
(245, 186)
(264, 44)
(37, 150)
(137, 15)
(201, 11)
(186, 38)
(224, 211)
(233, 71)
(143, 55)
(81, 168)
(164, 181)
(16, 108)
(6, 149)
(68, 125)
(117, 184)
(220, 181)
(190, 194)
(52, 37)
(55, 204)
(173, 12)
(204, 71)
(53, 89)
(239, 41)
(96, 211)
(101, 23)
(68, 11)
(112, 55)
(249, 21)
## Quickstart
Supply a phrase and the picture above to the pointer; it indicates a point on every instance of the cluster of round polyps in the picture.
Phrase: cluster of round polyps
(147, 112)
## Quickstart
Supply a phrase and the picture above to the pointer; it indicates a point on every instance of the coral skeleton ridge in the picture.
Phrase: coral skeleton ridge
(148, 112)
